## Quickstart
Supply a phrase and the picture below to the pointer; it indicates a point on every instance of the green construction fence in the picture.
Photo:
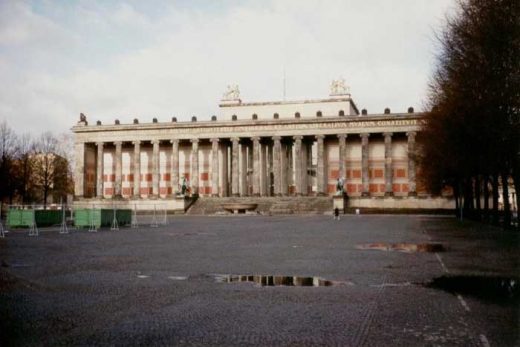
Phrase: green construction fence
(83, 217)
(19, 218)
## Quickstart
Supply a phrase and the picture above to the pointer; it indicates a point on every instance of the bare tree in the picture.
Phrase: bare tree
(473, 131)
(44, 160)
(8, 148)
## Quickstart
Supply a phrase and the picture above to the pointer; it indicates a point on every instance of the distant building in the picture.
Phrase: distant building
(280, 148)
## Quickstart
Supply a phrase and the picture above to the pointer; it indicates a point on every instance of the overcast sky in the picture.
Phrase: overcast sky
(145, 59)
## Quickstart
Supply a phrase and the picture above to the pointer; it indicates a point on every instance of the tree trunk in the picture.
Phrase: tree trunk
(507, 205)
(485, 181)
(477, 198)
(516, 182)
(495, 218)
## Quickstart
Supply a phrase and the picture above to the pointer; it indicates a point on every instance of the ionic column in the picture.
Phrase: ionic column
(388, 165)
(298, 164)
(320, 169)
(214, 167)
(99, 170)
(119, 169)
(137, 169)
(412, 188)
(234, 166)
(195, 166)
(244, 162)
(364, 164)
(79, 182)
(342, 139)
(174, 179)
(277, 165)
(256, 166)
(155, 169)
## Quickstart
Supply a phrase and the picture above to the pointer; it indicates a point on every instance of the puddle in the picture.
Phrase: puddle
(178, 278)
(142, 276)
(404, 247)
(501, 290)
(273, 281)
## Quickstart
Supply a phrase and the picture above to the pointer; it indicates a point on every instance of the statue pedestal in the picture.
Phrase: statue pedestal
(340, 202)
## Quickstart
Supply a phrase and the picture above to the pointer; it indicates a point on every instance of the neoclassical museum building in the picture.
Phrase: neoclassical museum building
(256, 149)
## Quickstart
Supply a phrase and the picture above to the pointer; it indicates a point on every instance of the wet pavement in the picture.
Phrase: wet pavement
(264, 281)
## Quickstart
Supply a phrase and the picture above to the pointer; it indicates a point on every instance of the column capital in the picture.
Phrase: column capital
(100, 144)
(156, 142)
(174, 141)
(255, 138)
(411, 133)
(364, 135)
(215, 139)
(136, 142)
(235, 140)
(118, 143)
(194, 141)
(297, 137)
(277, 138)
(342, 136)
(320, 137)
(388, 134)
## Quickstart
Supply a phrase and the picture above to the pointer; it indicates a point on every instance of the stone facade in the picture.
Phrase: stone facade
(249, 153)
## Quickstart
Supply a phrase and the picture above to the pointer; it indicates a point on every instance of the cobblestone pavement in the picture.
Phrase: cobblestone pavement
(155, 286)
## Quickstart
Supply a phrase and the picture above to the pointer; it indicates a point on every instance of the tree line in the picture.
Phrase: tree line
(471, 140)
(34, 170)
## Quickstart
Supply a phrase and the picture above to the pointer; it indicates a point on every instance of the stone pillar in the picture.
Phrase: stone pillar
(79, 175)
(256, 166)
(287, 168)
(298, 164)
(364, 164)
(389, 191)
(412, 187)
(234, 167)
(174, 177)
(119, 169)
(214, 167)
(195, 166)
(156, 175)
(320, 165)
(342, 139)
(264, 169)
(243, 170)
(99, 170)
(137, 169)
(277, 165)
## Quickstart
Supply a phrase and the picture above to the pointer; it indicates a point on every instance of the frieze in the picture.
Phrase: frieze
(241, 130)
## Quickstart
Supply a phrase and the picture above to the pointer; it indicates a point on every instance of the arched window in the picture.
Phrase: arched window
(319, 114)
(341, 113)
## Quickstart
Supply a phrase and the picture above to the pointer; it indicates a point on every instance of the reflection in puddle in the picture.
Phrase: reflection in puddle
(178, 278)
(404, 247)
(270, 280)
(491, 288)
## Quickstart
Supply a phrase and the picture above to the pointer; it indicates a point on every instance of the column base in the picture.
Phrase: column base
(389, 194)
(235, 195)
(256, 194)
(365, 194)
(215, 195)
(321, 194)
(413, 194)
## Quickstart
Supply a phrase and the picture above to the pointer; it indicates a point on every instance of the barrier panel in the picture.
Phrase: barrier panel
(22, 216)
(101, 217)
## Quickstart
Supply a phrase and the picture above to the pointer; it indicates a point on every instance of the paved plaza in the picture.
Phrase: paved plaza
(169, 285)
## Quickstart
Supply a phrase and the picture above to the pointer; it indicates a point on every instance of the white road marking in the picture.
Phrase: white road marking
(484, 340)
(463, 303)
(142, 276)
(442, 263)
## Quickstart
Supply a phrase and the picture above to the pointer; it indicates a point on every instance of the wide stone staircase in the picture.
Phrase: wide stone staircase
(266, 205)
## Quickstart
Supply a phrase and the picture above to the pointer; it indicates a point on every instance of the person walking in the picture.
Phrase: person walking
(336, 213)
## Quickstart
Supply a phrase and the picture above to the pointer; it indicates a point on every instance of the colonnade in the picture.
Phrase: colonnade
(267, 165)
